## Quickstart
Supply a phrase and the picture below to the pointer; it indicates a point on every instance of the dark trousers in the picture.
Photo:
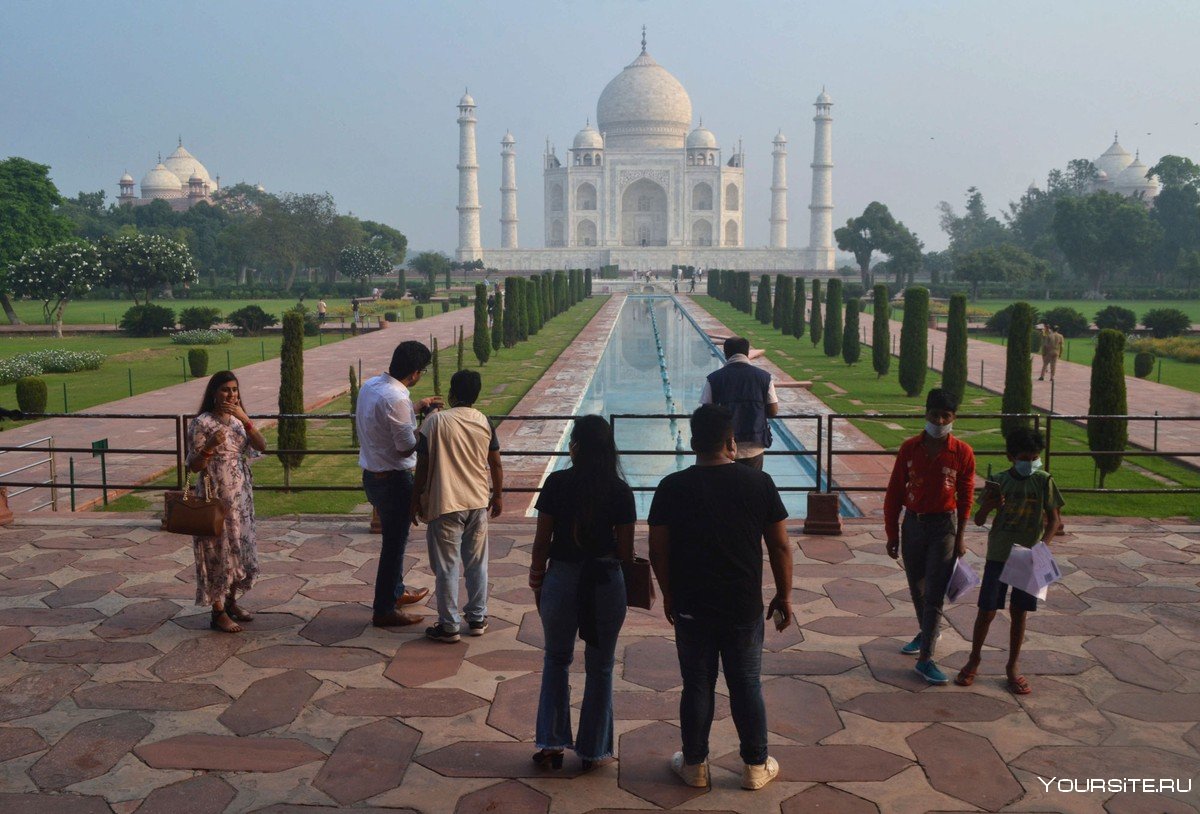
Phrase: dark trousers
(739, 647)
(927, 547)
(390, 493)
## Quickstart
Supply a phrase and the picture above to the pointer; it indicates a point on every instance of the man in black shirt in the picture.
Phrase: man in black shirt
(707, 524)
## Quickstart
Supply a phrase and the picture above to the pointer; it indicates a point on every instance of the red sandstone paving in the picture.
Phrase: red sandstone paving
(1100, 761)
(354, 592)
(825, 549)
(269, 702)
(283, 808)
(889, 666)
(421, 661)
(652, 663)
(262, 623)
(1182, 620)
(807, 663)
(1033, 662)
(1062, 709)
(13, 637)
(337, 623)
(83, 590)
(226, 753)
(85, 651)
(78, 543)
(649, 776)
(491, 759)
(193, 657)
(1142, 594)
(206, 794)
(48, 617)
(965, 766)
(367, 761)
(159, 590)
(18, 741)
(830, 763)
(89, 750)
(1134, 664)
(40, 565)
(858, 597)
(510, 797)
(37, 692)
(25, 587)
(268, 593)
(927, 706)
(311, 657)
(149, 696)
(136, 620)
(402, 702)
(828, 800)
(53, 804)
(1153, 706)
(800, 710)
(905, 626)
(1139, 803)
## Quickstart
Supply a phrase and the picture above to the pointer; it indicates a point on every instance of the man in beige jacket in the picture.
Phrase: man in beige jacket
(1052, 347)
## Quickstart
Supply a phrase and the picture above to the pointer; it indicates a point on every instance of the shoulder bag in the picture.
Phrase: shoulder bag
(185, 513)
(639, 585)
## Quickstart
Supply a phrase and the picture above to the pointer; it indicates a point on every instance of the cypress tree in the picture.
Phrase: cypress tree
(481, 340)
(954, 364)
(798, 305)
(401, 282)
(714, 283)
(547, 297)
(729, 281)
(459, 361)
(851, 344)
(747, 305)
(437, 369)
(535, 283)
(786, 304)
(763, 309)
(354, 388)
(498, 321)
(833, 318)
(512, 306)
(777, 305)
(1108, 398)
(914, 337)
(1018, 368)
(291, 431)
(816, 326)
(587, 282)
(560, 292)
(881, 332)
(527, 326)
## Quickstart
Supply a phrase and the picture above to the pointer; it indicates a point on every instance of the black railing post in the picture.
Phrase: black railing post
(817, 458)
(829, 452)
(1049, 424)
(180, 439)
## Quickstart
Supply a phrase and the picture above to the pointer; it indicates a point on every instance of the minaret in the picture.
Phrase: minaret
(508, 192)
(779, 217)
(820, 241)
(469, 244)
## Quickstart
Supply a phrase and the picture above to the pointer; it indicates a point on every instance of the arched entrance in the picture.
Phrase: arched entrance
(644, 214)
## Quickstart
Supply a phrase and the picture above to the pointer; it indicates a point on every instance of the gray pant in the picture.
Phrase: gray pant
(927, 547)
(458, 541)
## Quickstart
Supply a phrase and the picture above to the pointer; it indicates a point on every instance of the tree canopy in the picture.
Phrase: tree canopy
(28, 218)
(1103, 234)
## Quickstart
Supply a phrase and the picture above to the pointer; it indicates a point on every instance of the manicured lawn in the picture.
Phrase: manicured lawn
(856, 389)
(1089, 307)
(507, 377)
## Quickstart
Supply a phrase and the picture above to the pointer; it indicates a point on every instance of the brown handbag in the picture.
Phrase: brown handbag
(185, 513)
(639, 585)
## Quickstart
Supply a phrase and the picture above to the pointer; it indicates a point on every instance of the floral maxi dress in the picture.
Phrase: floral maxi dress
(229, 563)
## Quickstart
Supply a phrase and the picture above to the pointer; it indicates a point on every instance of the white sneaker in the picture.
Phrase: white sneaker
(695, 776)
(755, 776)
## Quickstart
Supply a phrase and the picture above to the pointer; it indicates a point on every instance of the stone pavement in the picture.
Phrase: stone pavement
(326, 376)
(115, 696)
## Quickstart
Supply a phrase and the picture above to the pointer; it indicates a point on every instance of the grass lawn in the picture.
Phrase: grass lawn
(856, 389)
(507, 377)
(1089, 307)
(150, 364)
(1081, 349)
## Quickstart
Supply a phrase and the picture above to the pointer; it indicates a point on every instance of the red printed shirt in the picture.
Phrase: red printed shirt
(944, 483)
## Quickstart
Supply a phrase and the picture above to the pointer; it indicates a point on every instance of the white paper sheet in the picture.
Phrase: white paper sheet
(962, 580)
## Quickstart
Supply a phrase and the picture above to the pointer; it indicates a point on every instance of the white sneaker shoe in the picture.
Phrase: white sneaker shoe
(695, 776)
(754, 776)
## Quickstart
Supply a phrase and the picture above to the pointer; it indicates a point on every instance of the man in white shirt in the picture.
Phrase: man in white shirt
(750, 393)
(459, 482)
(387, 434)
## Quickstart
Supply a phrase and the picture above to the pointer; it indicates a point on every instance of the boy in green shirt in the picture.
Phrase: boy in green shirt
(1027, 504)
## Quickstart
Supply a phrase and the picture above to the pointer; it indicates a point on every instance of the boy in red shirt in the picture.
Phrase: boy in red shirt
(933, 481)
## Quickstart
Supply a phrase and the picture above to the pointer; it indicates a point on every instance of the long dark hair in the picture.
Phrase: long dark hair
(595, 473)
(209, 403)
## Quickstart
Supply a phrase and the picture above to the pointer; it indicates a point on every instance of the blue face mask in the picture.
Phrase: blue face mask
(1027, 468)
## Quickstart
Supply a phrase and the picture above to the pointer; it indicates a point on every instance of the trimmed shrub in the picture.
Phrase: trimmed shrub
(210, 336)
(1070, 323)
(587, 282)
(799, 295)
(458, 361)
(785, 297)
(481, 339)
(1116, 318)
(1143, 364)
(498, 322)
(445, 306)
(1000, 322)
(292, 432)
(419, 311)
(954, 364)
(914, 340)
(1018, 367)
(816, 325)
(436, 365)
(354, 388)
(777, 303)
(421, 292)
(1108, 398)
(1163, 323)
(252, 319)
(833, 318)
(881, 331)
(197, 362)
(762, 308)
(851, 344)
(462, 300)
(198, 318)
(148, 320)
(31, 394)
(391, 316)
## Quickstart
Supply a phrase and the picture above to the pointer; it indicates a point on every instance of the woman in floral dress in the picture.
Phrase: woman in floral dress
(222, 439)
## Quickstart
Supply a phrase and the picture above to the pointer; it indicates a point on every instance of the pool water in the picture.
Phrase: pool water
(656, 362)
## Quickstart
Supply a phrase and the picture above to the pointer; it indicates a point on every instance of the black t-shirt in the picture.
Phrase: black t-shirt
(716, 516)
(561, 498)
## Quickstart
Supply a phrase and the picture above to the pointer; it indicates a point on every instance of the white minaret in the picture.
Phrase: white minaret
(508, 192)
(779, 217)
(820, 241)
(470, 246)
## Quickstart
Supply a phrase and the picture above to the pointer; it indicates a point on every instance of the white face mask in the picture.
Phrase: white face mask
(1027, 468)
(938, 430)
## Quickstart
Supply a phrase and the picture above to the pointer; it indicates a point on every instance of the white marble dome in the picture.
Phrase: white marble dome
(1114, 160)
(824, 98)
(184, 165)
(466, 100)
(644, 107)
(160, 182)
(1134, 180)
(126, 178)
(508, 138)
(589, 138)
(702, 138)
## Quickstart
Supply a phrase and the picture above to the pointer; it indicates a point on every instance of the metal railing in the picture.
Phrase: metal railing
(820, 461)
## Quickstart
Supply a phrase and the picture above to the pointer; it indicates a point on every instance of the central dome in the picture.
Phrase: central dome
(644, 107)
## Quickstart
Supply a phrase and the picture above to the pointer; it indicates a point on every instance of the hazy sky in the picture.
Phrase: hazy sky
(358, 98)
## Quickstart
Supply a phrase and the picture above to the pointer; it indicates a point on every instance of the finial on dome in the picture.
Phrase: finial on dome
(181, 140)
(643, 39)
(701, 121)
(1115, 137)
(160, 156)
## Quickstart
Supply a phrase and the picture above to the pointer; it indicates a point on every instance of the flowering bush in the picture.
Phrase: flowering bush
(1180, 348)
(202, 337)
(38, 362)
(144, 264)
(54, 275)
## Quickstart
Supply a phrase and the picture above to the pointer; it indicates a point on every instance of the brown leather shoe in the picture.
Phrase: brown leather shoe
(411, 598)
(394, 619)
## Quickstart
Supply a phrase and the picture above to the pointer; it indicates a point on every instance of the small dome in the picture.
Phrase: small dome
(589, 138)
(824, 98)
(126, 178)
(195, 178)
(702, 137)
(466, 100)
(780, 138)
(1114, 160)
(644, 107)
(259, 188)
(160, 182)
(508, 139)
(1134, 177)
(1102, 176)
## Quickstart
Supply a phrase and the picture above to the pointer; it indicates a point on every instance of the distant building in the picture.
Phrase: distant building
(182, 181)
(1125, 174)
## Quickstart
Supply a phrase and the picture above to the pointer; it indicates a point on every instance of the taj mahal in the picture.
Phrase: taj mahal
(646, 187)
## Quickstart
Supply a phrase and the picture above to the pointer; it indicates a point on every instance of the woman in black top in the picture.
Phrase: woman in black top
(585, 529)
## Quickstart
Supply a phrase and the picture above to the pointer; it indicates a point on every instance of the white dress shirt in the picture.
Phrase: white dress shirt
(386, 424)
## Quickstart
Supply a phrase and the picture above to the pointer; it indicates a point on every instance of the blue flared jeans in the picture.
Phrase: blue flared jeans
(604, 606)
